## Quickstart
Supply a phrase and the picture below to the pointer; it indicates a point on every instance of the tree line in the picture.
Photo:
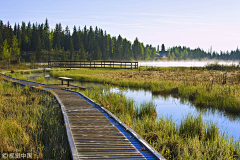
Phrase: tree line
(179, 53)
(37, 42)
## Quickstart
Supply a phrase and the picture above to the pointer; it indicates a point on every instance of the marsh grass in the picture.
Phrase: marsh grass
(31, 122)
(212, 89)
(193, 139)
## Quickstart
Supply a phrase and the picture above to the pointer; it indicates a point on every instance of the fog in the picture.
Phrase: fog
(185, 63)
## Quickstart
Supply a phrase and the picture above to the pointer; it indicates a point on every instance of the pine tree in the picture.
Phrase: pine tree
(108, 47)
(15, 51)
(97, 55)
(46, 36)
(24, 38)
(1, 32)
(163, 48)
(114, 48)
(138, 50)
(5, 50)
(67, 38)
(119, 48)
(72, 55)
(82, 53)
(75, 38)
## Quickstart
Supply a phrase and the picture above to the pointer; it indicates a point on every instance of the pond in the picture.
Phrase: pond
(172, 107)
(185, 63)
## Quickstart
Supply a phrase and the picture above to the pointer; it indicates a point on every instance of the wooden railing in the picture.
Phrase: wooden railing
(93, 64)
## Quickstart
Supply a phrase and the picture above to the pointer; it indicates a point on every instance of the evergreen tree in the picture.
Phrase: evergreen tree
(75, 38)
(114, 48)
(64, 56)
(24, 38)
(108, 47)
(85, 39)
(163, 48)
(46, 36)
(119, 46)
(5, 50)
(34, 38)
(82, 53)
(90, 41)
(138, 50)
(67, 38)
(72, 55)
(97, 55)
(15, 51)
(1, 32)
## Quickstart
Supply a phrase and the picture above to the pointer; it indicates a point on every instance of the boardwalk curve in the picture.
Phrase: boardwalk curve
(93, 132)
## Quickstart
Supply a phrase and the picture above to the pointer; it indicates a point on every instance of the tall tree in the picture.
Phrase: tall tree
(67, 38)
(15, 50)
(5, 50)
(24, 38)
(72, 54)
(75, 38)
(163, 48)
(138, 50)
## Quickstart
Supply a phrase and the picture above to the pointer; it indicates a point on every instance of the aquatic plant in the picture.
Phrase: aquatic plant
(214, 89)
(193, 139)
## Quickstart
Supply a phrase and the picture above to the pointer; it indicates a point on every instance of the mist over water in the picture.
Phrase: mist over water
(185, 63)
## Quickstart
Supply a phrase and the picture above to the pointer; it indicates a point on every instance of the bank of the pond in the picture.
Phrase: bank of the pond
(31, 122)
(193, 139)
(214, 89)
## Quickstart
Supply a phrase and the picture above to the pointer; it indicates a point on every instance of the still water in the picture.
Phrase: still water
(185, 63)
(172, 107)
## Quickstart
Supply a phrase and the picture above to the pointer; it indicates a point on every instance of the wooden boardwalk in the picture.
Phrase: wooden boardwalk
(93, 64)
(90, 133)
(94, 135)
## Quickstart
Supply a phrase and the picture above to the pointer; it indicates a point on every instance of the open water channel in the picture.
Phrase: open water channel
(172, 107)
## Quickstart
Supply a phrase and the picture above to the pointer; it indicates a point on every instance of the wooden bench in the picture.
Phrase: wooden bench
(65, 79)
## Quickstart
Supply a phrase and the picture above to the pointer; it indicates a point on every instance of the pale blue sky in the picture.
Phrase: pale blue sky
(191, 23)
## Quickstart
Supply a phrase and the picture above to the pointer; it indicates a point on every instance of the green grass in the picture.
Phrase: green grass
(205, 93)
(193, 139)
(31, 121)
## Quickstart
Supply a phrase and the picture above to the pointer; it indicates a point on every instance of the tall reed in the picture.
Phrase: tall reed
(31, 122)
(193, 139)
(212, 89)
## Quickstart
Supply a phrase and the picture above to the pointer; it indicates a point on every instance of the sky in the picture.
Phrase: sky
(190, 23)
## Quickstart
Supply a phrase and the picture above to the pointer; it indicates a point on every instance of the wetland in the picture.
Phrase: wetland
(177, 110)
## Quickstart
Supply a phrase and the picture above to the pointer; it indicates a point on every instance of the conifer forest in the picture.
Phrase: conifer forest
(39, 43)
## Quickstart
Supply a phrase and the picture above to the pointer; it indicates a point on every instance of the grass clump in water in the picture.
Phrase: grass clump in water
(193, 139)
(205, 88)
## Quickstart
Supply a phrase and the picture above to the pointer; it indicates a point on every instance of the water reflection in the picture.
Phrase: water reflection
(172, 106)
(178, 108)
